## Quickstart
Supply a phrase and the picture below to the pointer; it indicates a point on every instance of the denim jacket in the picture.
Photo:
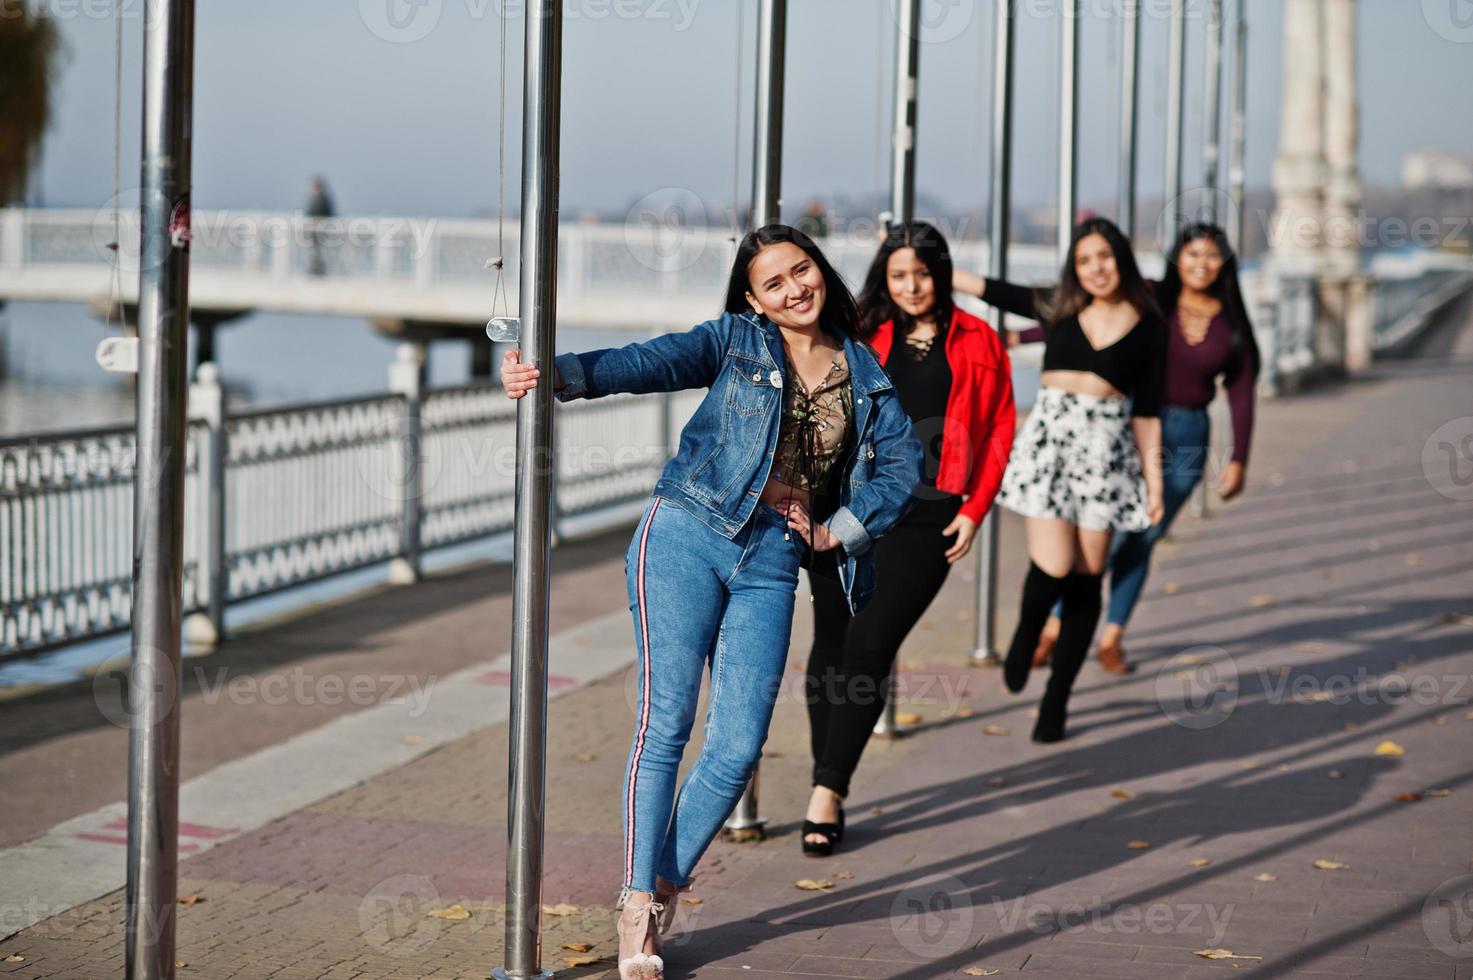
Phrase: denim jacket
(727, 448)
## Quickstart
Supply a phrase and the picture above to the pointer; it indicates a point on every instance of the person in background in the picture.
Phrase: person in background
(1209, 339)
(814, 221)
(319, 206)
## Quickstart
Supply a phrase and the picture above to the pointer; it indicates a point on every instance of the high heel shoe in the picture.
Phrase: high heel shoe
(832, 832)
(666, 899)
(634, 927)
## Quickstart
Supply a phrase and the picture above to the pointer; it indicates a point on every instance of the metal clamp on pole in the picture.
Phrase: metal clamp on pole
(984, 647)
(745, 823)
(527, 742)
(158, 502)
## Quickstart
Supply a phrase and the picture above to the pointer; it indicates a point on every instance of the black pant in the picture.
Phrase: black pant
(849, 666)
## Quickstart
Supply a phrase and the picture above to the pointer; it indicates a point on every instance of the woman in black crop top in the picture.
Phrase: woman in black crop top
(1086, 463)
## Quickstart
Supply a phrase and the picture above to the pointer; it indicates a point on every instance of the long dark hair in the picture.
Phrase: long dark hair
(839, 317)
(1070, 296)
(876, 306)
(1225, 289)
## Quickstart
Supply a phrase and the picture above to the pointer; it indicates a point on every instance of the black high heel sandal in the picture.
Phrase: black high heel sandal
(833, 832)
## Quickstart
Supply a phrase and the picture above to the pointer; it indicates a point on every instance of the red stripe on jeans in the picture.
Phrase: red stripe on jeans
(644, 707)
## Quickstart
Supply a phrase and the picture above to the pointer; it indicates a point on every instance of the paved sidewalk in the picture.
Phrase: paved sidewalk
(1304, 696)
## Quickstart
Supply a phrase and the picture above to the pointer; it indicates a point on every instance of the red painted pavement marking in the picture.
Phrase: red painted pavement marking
(502, 678)
(200, 830)
(114, 839)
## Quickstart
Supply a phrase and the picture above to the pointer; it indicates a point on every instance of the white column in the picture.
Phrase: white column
(1342, 138)
(1301, 169)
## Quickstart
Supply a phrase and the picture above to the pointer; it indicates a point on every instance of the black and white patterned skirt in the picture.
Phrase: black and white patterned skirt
(1076, 460)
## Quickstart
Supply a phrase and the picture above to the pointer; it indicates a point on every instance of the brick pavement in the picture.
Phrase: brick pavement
(1281, 643)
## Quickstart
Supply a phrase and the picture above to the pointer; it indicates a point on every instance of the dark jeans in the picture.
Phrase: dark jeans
(851, 660)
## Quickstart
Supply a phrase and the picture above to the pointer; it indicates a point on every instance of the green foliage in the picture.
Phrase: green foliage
(30, 51)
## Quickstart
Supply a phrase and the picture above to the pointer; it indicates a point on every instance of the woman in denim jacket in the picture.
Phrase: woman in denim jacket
(800, 445)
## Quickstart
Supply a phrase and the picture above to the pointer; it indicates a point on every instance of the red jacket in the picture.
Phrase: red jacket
(978, 433)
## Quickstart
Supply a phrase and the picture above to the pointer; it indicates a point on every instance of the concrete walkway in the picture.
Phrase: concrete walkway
(1305, 695)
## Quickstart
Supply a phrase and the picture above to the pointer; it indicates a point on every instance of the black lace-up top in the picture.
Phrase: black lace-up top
(813, 427)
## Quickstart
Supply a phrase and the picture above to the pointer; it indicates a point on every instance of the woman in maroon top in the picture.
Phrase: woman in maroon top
(1209, 337)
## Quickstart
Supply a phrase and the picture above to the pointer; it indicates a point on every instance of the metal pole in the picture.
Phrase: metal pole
(1068, 123)
(902, 202)
(984, 649)
(1212, 111)
(903, 131)
(1175, 108)
(767, 146)
(1237, 162)
(158, 495)
(1130, 84)
(746, 822)
(527, 749)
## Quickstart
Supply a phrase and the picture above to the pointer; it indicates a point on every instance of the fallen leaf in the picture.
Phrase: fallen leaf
(1409, 797)
(809, 885)
(15, 958)
(1138, 845)
(977, 971)
(1335, 774)
(1200, 862)
(692, 901)
(562, 908)
(1414, 560)
(189, 900)
(875, 811)
(584, 757)
(1262, 600)
(455, 913)
(1170, 588)
(1324, 865)
(963, 712)
(997, 781)
(578, 947)
(1389, 747)
(1122, 794)
(413, 739)
(994, 730)
(1313, 697)
(180, 964)
(580, 960)
(1438, 792)
(1189, 659)
(1222, 954)
(908, 718)
(1265, 876)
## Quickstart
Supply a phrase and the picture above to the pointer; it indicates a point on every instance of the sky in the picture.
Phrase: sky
(396, 101)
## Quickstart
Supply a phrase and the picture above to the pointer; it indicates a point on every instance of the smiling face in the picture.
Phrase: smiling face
(1200, 263)
(1094, 264)
(786, 286)
(911, 286)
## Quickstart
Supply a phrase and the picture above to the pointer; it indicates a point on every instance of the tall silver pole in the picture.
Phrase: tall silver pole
(158, 495)
(767, 146)
(1212, 112)
(527, 749)
(746, 822)
(1130, 83)
(903, 130)
(984, 649)
(902, 202)
(1175, 109)
(1068, 123)
(1237, 163)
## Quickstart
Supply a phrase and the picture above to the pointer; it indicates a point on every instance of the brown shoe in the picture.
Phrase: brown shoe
(1044, 652)
(1112, 658)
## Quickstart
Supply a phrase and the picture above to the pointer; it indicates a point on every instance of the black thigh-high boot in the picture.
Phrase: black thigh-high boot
(1040, 591)
(1080, 616)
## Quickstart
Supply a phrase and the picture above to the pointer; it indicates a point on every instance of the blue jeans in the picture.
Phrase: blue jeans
(1186, 435)
(699, 598)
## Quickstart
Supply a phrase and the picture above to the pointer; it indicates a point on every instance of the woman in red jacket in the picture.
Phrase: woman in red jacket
(952, 375)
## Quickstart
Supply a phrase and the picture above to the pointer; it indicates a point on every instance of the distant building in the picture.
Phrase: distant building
(1437, 170)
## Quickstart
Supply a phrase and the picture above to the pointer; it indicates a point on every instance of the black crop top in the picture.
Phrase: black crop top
(1134, 365)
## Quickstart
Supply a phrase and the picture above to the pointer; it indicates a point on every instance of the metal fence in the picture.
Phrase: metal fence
(286, 496)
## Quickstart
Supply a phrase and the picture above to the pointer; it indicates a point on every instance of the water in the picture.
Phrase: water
(49, 380)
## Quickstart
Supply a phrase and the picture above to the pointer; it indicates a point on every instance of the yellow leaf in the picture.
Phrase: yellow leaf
(561, 909)
(580, 960)
(1122, 794)
(1265, 876)
(1438, 792)
(978, 971)
(455, 913)
(908, 718)
(180, 964)
(691, 901)
(189, 900)
(15, 958)
(413, 739)
(1138, 845)
(577, 947)
(1200, 862)
(1313, 697)
(1222, 954)
(1414, 560)
(1389, 747)
(994, 730)
(584, 757)
(809, 885)
(1262, 600)
(963, 712)
(1325, 865)
(1170, 588)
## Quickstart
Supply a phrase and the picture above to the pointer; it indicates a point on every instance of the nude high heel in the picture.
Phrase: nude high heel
(634, 927)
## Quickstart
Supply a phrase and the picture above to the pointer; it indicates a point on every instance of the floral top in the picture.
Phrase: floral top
(814, 424)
